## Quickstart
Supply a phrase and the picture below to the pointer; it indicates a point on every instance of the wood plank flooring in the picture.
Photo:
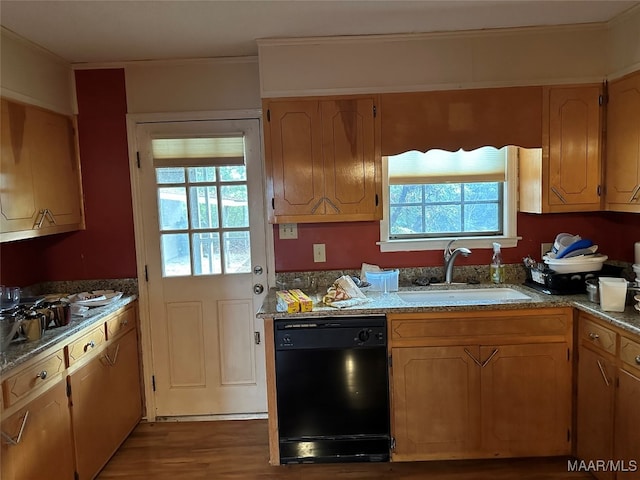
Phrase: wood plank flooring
(237, 450)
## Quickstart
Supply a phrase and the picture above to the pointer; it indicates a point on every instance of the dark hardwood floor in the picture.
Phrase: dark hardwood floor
(239, 450)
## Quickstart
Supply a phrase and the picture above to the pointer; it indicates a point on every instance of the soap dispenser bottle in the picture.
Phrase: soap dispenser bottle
(496, 270)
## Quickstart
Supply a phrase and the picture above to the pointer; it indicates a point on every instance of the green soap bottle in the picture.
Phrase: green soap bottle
(496, 270)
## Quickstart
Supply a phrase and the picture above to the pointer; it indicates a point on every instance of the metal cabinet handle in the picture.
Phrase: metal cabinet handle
(9, 440)
(40, 220)
(638, 360)
(554, 190)
(484, 364)
(52, 219)
(112, 363)
(603, 373)
(594, 336)
(332, 205)
(634, 194)
(477, 362)
(91, 344)
(124, 322)
(42, 375)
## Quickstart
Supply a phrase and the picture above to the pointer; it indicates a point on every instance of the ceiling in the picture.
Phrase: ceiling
(98, 31)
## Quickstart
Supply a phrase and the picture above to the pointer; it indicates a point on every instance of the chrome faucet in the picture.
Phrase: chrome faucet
(450, 258)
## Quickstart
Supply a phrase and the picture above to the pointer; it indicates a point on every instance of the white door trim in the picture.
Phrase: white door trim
(143, 295)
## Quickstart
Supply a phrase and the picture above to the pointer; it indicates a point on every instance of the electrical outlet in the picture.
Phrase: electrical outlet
(319, 254)
(544, 248)
(288, 231)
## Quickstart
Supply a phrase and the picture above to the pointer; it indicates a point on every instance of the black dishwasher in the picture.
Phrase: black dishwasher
(332, 386)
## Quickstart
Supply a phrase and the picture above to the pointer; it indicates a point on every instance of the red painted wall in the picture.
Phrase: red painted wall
(350, 244)
(106, 248)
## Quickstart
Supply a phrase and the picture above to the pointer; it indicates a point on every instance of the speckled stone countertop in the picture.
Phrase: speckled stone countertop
(18, 353)
(378, 303)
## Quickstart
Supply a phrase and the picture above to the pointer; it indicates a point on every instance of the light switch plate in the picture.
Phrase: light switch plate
(319, 254)
(288, 231)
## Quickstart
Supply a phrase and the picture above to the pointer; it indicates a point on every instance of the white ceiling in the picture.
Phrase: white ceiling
(99, 31)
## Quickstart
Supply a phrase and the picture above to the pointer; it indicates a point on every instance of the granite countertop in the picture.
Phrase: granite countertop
(378, 303)
(18, 353)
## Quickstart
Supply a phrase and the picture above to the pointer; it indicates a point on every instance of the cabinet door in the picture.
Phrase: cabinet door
(348, 136)
(574, 149)
(627, 425)
(596, 380)
(623, 145)
(126, 405)
(526, 399)
(435, 402)
(44, 449)
(294, 157)
(57, 178)
(91, 402)
(17, 193)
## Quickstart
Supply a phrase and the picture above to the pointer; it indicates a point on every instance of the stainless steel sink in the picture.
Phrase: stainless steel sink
(475, 296)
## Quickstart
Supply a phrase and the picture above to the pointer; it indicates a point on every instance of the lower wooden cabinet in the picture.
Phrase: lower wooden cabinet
(36, 439)
(608, 416)
(106, 403)
(481, 385)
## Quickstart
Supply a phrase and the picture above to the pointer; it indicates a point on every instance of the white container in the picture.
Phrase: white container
(586, 263)
(385, 278)
(613, 293)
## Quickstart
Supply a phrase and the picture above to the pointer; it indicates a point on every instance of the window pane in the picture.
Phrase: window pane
(170, 175)
(237, 252)
(206, 250)
(235, 211)
(201, 174)
(405, 194)
(233, 174)
(481, 191)
(481, 217)
(406, 220)
(174, 249)
(443, 218)
(443, 192)
(204, 207)
(172, 208)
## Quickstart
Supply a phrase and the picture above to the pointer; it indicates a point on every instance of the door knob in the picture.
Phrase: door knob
(258, 289)
(258, 270)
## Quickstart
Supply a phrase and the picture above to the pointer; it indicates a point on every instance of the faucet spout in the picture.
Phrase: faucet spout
(450, 258)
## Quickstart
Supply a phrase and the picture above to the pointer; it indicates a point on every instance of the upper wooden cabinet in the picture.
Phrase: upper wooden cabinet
(40, 188)
(623, 145)
(567, 176)
(323, 160)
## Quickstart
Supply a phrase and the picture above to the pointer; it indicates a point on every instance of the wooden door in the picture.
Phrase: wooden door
(205, 254)
(627, 425)
(293, 142)
(623, 145)
(435, 402)
(44, 450)
(574, 149)
(91, 398)
(126, 405)
(596, 381)
(17, 192)
(350, 160)
(526, 399)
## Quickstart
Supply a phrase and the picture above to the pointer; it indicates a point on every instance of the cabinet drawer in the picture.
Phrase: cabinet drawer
(122, 323)
(85, 344)
(592, 333)
(630, 352)
(33, 377)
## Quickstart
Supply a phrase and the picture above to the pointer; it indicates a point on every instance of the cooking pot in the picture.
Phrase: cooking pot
(593, 291)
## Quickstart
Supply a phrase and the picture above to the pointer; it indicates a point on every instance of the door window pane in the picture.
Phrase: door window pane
(204, 207)
(172, 206)
(235, 206)
(176, 257)
(237, 252)
(235, 173)
(170, 175)
(206, 248)
(202, 174)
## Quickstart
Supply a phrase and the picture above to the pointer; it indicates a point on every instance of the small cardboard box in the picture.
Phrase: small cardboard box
(306, 304)
(286, 302)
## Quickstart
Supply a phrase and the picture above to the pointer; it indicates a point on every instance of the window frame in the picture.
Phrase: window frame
(509, 238)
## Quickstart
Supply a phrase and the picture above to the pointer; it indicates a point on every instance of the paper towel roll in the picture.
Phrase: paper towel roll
(637, 252)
